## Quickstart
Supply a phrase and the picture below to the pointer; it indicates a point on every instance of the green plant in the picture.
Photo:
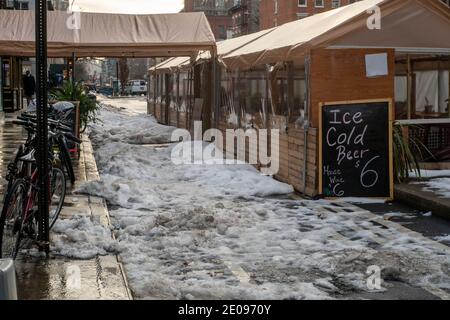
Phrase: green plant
(78, 92)
(407, 154)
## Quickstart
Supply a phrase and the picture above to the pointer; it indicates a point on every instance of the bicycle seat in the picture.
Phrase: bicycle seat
(29, 157)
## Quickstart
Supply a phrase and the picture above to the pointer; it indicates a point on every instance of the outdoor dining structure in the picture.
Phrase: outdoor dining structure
(70, 35)
(333, 85)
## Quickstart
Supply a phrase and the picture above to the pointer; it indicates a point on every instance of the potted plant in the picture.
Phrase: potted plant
(78, 92)
(408, 152)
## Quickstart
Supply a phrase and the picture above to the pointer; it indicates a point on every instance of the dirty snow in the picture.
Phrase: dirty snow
(439, 186)
(81, 238)
(430, 173)
(132, 105)
(227, 232)
(129, 127)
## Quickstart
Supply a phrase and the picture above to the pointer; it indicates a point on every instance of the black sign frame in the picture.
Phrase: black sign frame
(390, 121)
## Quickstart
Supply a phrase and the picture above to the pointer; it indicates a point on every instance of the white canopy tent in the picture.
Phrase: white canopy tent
(107, 35)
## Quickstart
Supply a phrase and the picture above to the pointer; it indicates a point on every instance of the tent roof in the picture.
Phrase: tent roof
(172, 64)
(108, 35)
(430, 18)
(223, 48)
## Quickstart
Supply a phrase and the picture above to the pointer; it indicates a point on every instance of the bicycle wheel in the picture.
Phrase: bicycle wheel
(57, 194)
(11, 220)
(66, 161)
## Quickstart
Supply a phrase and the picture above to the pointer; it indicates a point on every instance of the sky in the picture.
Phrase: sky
(129, 6)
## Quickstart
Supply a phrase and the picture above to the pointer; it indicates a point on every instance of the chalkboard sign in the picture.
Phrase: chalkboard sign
(356, 149)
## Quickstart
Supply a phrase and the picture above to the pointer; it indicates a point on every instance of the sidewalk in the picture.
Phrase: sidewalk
(40, 278)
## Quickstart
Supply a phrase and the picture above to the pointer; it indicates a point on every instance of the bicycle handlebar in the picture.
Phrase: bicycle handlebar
(71, 137)
(23, 123)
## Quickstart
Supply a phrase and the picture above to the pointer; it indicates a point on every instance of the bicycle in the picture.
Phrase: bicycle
(19, 219)
(59, 143)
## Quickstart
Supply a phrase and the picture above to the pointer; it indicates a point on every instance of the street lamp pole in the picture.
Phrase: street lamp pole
(42, 124)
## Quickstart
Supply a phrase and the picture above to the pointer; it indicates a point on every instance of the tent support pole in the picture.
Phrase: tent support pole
(74, 58)
(216, 90)
(178, 98)
(448, 102)
(306, 123)
(238, 80)
(409, 87)
(42, 124)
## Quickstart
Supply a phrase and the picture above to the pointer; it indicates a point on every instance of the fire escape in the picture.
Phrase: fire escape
(241, 16)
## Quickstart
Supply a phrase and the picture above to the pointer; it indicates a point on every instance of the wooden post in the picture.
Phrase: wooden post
(168, 96)
(290, 89)
(209, 100)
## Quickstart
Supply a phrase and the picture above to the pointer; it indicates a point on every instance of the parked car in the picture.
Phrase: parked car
(136, 87)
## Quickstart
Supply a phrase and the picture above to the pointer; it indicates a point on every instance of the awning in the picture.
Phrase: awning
(406, 25)
(107, 35)
(172, 64)
(223, 48)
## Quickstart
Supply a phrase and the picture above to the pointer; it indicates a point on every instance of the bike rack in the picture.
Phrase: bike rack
(8, 288)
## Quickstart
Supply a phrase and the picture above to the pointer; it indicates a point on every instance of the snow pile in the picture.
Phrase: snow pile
(144, 177)
(80, 238)
(121, 125)
(132, 105)
(218, 231)
(287, 251)
(430, 173)
(439, 186)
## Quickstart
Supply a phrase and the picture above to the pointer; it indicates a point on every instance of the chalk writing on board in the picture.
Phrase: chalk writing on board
(355, 150)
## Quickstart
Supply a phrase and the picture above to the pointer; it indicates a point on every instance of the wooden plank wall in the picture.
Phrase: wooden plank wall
(291, 147)
(182, 123)
(158, 111)
(173, 118)
(340, 75)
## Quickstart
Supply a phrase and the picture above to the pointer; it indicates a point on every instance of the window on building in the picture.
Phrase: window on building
(335, 3)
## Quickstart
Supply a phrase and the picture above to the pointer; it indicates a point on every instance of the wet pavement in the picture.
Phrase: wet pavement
(424, 222)
(58, 277)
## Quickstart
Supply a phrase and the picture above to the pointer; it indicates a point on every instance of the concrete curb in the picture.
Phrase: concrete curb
(98, 206)
(414, 196)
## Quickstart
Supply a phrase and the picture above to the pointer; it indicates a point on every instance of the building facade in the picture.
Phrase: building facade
(245, 17)
(217, 12)
(277, 12)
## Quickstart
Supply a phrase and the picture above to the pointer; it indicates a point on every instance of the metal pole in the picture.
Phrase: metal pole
(409, 87)
(42, 123)
(117, 75)
(8, 287)
(73, 75)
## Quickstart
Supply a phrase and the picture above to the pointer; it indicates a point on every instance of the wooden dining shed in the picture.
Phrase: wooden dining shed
(363, 53)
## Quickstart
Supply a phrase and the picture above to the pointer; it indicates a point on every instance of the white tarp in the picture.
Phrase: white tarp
(432, 89)
(107, 35)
